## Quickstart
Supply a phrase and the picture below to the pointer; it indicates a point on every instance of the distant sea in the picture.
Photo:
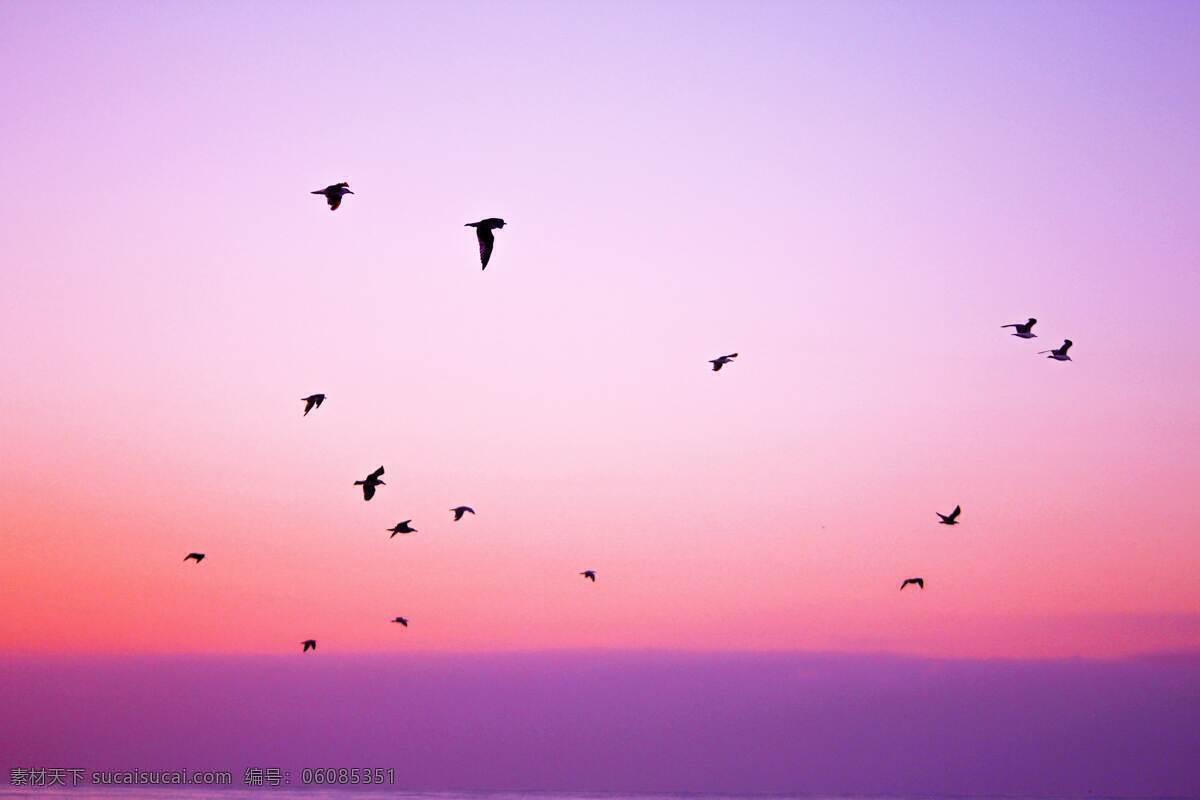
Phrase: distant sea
(84, 792)
(348, 793)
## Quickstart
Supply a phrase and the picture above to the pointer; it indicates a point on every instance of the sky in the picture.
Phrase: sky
(852, 196)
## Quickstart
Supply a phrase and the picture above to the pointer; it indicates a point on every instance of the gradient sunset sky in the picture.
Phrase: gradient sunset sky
(853, 196)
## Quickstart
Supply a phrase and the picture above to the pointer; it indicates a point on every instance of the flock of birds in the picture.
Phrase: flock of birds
(487, 240)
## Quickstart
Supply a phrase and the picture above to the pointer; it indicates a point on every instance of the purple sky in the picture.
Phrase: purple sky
(628, 721)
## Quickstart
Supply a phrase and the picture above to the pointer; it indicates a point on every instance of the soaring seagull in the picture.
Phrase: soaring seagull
(918, 582)
(590, 574)
(197, 557)
(1024, 329)
(951, 518)
(487, 239)
(460, 510)
(309, 644)
(402, 620)
(722, 361)
(311, 402)
(370, 483)
(1059, 354)
(402, 527)
(333, 194)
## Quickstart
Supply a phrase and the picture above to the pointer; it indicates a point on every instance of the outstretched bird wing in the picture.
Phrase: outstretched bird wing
(375, 475)
(308, 405)
(722, 361)
(486, 240)
(954, 514)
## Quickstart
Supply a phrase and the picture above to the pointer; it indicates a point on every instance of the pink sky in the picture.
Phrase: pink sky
(852, 196)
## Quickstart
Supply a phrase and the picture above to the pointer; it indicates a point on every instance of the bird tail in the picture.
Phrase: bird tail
(359, 483)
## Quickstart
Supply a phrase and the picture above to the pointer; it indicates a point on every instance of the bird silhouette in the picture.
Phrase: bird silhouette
(197, 557)
(951, 518)
(487, 239)
(590, 574)
(370, 483)
(1059, 353)
(309, 644)
(333, 194)
(1024, 329)
(460, 510)
(722, 361)
(402, 620)
(402, 527)
(918, 582)
(311, 402)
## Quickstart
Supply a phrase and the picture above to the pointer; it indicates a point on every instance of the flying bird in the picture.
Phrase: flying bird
(487, 239)
(309, 644)
(402, 527)
(333, 194)
(370, 483)
(722, 361)
(590, 574)
(1024, 329)
(1059, 354)
(918, 582)
(197, 557)
(402, 620)
(460, 510)
(311, 402)
(951, 518)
